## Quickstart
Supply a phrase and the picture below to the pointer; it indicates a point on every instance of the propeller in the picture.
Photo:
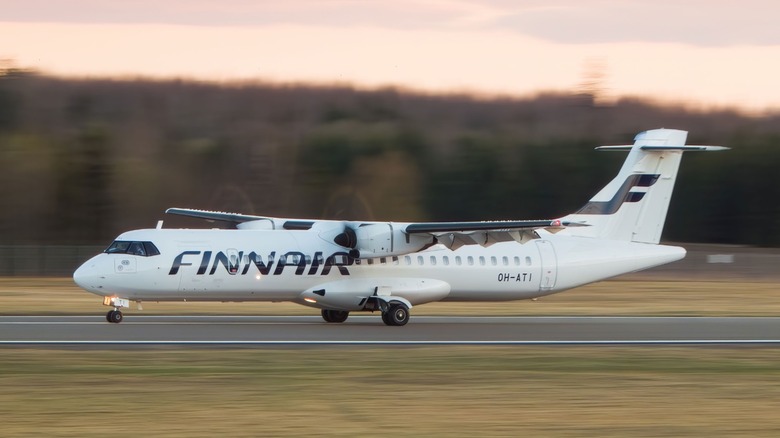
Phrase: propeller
(347, 238)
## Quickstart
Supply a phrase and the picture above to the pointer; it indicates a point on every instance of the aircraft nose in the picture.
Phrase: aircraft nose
(88, 276)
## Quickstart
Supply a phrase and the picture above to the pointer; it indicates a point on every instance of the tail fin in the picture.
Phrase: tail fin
(633, 206)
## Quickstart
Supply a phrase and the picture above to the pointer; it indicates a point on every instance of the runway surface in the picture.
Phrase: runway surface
(369, 330)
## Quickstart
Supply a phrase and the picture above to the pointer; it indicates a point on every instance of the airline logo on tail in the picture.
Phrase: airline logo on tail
(626, 193)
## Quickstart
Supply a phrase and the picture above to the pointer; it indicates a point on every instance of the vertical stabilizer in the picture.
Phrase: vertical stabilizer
(633, 206)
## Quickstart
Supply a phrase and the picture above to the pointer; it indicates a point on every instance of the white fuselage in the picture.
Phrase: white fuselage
(281, 265)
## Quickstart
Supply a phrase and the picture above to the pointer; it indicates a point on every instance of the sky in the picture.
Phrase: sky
(703, 53)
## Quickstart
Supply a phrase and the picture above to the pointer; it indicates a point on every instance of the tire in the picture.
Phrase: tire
(108, 315)
(385, 318)
(115, 316)
(398, 314)
(338, 315)
(334, 315)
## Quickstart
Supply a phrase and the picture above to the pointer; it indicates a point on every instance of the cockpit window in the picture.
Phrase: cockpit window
(118, 247)
(145, 249)
(137, 248)
(151, 250)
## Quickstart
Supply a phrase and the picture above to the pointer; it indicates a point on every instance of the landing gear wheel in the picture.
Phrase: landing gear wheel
(334, 315)
(397, 315)
(114, 316)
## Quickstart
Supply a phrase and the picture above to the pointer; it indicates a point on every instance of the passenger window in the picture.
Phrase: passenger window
(470, 260)
(407, 260)
(433, 261)
(517, 261)
(383, 260)
(457, 260)
(420, 260)
(493, 261)
(505, 259)
(528, 261)
(481, 261)
(446, 260)
(395, 260)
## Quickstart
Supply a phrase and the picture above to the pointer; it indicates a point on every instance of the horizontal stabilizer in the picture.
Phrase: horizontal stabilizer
(684, 148)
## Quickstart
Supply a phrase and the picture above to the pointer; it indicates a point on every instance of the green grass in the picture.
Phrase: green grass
(446, 391)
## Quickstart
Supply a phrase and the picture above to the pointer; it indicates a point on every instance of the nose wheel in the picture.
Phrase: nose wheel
(114, 316)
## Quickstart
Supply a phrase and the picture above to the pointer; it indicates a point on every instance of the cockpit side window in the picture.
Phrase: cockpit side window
(144, 249)
(151, 250)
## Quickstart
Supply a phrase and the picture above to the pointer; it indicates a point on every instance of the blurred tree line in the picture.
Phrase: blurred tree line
(82, 160)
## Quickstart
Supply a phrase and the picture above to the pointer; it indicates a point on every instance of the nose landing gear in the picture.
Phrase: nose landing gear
(115, 316)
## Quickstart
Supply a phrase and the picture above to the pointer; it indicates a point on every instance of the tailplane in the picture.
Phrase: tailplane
(633, 206)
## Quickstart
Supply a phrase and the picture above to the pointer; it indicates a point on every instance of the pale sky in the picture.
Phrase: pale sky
(701, 52)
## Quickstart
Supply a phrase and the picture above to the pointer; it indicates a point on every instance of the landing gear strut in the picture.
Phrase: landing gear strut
(334, 315)
(114, 316)
(397, 314)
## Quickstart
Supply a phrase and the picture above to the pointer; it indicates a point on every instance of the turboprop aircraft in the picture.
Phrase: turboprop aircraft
(364, 266)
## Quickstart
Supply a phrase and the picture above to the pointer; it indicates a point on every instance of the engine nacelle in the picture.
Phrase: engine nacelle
(381, 240)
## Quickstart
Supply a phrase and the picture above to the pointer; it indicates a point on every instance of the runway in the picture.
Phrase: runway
(369, 330)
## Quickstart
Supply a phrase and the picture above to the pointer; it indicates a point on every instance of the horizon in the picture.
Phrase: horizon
(600, 100)
(661, 50)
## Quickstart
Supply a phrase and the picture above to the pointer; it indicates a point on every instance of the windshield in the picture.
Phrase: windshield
(145, 249)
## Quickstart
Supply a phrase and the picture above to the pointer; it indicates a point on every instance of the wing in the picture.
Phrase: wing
(236, 219)
(411, 237)
(456, 234)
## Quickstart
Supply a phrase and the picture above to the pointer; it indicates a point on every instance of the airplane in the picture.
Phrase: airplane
(346, 266)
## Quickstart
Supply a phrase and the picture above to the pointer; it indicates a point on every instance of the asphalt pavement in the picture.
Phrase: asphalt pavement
(369, 330)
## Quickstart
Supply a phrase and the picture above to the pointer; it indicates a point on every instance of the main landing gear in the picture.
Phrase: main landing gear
(334, 315)
(394, 314)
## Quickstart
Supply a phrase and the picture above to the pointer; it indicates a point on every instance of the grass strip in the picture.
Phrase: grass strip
(59, 296)
(447, 391)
